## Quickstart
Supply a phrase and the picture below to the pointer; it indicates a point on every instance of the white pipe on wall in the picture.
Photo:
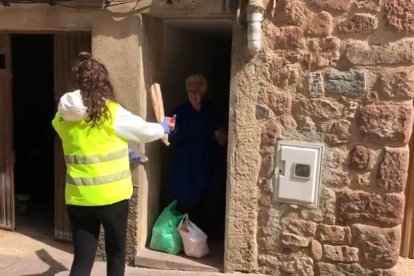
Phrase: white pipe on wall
(254, 32)
(255, 9)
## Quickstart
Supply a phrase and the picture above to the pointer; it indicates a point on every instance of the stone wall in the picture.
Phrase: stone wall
(338, 72)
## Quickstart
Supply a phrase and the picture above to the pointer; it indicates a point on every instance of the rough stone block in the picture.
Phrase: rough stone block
(263, 217)
(364, 207)
(267, 153)
(306, 123)
(287, 38)
(280, 103)
(383, 123)
(262, 112)
(333, 234)
(299, 227)
(323, 52)
(393, 170)
(305, 267)
(267, 263)
(312, 215)
(284, 75)
(399, 14)
(318, 108)
(337, 132)
(387, 272)
(327, 269)
(343, 254)
(265, 201)
(292, 12)
(335, 178)
(362, 180)
(287, 121)
(359, 157)
(327, 204)
(379, 247)
(294, 240)
(288, 266)
(270, 132)
(371, 5)
(358, 23)
(347, 83)
(397, 84)
(266, 166)
(316, 250)
(299, 266)
(315, 85)
(335, 5)
(321, 24)
(400, 52)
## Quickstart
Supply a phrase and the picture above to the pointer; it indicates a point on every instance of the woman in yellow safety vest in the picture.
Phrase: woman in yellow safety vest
(95, 130)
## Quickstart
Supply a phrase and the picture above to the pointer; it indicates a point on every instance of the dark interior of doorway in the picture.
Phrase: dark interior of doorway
(192, 47)
(33, 108)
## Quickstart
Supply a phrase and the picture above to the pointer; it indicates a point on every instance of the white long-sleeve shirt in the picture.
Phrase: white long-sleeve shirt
(127, 125)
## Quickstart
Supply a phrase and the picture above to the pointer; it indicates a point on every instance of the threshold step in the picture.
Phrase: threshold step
(160, 260)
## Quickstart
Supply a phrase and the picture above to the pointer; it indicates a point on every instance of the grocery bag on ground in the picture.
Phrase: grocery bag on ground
(165, 235)
(194, 239)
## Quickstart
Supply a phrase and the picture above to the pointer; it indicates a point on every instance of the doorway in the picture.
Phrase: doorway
(192, 47)
(199, 47)
(33, 136)
(36, 71)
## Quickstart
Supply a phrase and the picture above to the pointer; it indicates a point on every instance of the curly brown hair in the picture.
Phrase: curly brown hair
(95, 86)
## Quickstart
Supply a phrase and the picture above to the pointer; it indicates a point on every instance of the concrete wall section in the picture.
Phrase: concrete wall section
(243, 190)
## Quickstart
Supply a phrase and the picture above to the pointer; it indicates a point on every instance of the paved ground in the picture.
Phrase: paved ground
(21, 255)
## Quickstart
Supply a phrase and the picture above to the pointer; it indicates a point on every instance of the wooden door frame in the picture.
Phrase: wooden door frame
(7, 199)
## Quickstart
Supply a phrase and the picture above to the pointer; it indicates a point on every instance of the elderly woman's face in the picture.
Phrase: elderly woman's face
(195, 94)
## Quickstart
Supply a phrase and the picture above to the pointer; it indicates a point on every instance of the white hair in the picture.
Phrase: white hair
(199, 79)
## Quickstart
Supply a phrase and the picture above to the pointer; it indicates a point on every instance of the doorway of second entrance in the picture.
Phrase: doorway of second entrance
(33, 109)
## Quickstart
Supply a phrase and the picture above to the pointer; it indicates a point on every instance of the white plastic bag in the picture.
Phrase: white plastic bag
(194, 239)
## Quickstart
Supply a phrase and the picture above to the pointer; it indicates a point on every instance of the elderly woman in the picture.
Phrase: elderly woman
(199, 133)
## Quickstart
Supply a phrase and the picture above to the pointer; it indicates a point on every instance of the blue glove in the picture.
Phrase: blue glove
(164, 124)
(135, 157)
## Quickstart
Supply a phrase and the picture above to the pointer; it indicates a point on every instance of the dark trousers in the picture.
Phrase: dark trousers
(86, 222)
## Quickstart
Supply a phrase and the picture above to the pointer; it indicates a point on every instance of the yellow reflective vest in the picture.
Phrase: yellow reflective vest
(96, 160)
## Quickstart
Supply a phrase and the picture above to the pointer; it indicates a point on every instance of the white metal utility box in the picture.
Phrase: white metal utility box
(298, 172)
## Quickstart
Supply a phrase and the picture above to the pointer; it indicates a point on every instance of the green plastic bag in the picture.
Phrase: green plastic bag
(165, 235)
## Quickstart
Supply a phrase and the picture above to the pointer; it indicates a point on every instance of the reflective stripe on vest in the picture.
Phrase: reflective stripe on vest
(86, 181)
(91, 159)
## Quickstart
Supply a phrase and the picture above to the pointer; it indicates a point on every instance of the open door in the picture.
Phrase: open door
(66, 49)
(7, 218)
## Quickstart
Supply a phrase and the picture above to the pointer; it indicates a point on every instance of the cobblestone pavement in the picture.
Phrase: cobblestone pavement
(21, 255)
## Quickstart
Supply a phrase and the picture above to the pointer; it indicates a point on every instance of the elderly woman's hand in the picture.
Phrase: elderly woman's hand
(170, 122)
(221, 136)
